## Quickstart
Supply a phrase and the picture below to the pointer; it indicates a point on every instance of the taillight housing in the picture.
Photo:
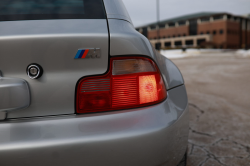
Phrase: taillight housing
(131, 82)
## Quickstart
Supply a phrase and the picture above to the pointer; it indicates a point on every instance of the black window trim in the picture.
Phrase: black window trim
(89, 14)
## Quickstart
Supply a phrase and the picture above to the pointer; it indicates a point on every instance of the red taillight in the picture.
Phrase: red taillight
(131, 82)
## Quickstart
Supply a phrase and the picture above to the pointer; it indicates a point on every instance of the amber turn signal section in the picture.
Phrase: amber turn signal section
(130, 83)
(147, 89)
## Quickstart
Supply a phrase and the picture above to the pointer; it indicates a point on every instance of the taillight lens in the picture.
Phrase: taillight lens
(131, 82)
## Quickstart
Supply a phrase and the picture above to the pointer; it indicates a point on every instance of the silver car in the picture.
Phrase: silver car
(80, 86)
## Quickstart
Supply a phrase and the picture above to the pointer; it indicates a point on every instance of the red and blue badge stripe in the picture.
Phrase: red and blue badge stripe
(81, 54)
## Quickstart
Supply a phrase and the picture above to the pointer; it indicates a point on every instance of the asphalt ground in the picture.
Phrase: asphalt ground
(218, 87)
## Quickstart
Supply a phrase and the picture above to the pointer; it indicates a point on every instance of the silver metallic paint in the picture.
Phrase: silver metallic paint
(146, 136)
(3, 115)
(14, 94)
(115, 9)
(52, 44)
(125, 40)
(169, 71)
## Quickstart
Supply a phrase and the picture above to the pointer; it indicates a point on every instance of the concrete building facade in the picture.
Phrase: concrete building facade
(217, 30)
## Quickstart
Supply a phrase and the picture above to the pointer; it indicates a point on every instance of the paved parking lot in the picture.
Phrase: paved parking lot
(218, 87)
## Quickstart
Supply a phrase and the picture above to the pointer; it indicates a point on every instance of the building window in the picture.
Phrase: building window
(167, 44)
(200, 41)
(162, 25)
(208, 32)
(145, 31)
(172, 24)
(205, 19)
(158, 46)
(153, 27)
(184, 34)
(177, 43)
(193, 27)
(181, 23)
(164, 37)
(173, 35)
(179, 35)
(168, 36)
(221, 31)
(201, 33)
(218, 17)
(189, 42)
(214, 32)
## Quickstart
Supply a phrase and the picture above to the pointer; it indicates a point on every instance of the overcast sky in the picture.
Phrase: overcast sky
(144, 11)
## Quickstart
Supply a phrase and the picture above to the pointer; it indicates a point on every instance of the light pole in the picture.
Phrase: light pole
(158, 23)
(246, 28)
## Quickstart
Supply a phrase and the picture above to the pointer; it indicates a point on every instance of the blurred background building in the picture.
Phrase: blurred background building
(206, 30)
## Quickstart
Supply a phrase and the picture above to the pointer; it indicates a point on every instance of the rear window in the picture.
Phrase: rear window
(11, 10)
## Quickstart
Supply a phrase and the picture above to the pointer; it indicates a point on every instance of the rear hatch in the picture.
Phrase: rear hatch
(50, 33)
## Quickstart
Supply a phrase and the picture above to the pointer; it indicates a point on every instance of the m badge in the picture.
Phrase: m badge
(88, 53)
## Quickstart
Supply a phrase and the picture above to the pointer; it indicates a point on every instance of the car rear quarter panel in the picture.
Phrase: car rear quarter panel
(115, 9)
(125, 40)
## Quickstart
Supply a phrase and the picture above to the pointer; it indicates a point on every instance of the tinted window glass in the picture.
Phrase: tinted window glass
(167, 44)
(51, 9)
(145, 32)
(182, 23)
(189, 42)
(162, 25)
(171, 24)
(177, 43)
(205, 19)
(157, 46)
(153, 27)
(218, 17)
(200, 41)
(193, 27)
